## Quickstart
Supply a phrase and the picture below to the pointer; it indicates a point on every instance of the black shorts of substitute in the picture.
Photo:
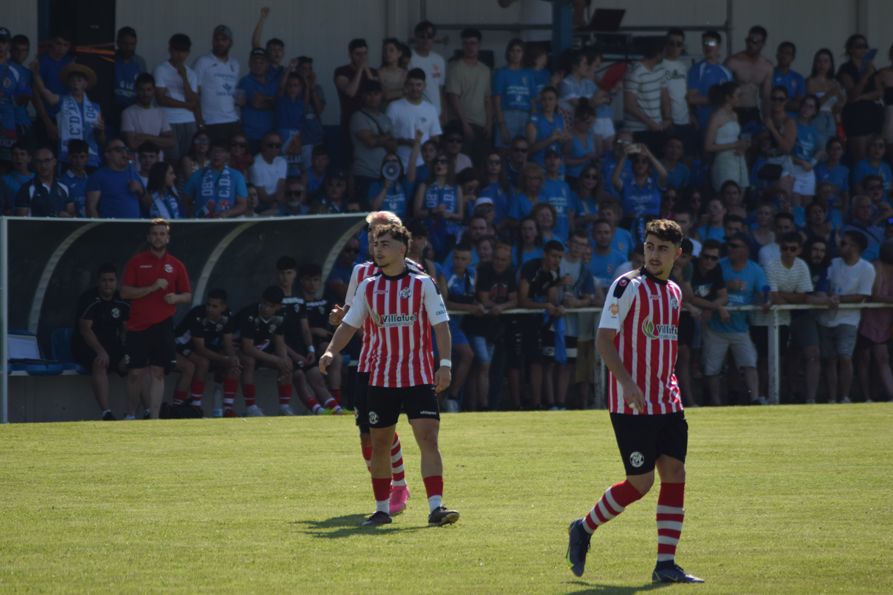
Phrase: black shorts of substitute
(386, 404)
(361, 402)
(154, 346)
(85, 356)
(643, 438)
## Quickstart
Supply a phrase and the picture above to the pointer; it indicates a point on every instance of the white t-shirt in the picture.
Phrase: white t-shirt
(267, 175)
(677, 87)
(788, 280)
(167, 77)
(407, 118)
(217, 82)
(847, 280)
(435, 76)
(144, 120)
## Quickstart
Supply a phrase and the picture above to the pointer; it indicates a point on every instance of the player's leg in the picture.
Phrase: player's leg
(156, 390)
(284, 389)
(744, 352)
(99, 378)
(881, 356)
(197, 388)
(249, 388)
(334, 373)
(383, 410)
(829, 361)
(230, 378)
(186, 368)
(716, 345)
(318, 385)
(137, 374)
(672, 446)
(846, 344)
(421, 409)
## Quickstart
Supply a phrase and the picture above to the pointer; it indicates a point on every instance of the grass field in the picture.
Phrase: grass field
(788, 499)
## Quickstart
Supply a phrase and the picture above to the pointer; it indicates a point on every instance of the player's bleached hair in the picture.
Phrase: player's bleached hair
(666, 230)
(382, 218)
(396, 231)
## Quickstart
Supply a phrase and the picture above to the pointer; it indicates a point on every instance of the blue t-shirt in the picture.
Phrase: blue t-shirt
(807, 141)
(26, 78)
(623, 241)
(745, 287)
(116, 201)
(706, 232)
(9, 84)
(522, 258)
(77, 191)
(289, 115)
(256, 122)
(864, 169)
(397, 198)
(514, 88)
(223, 187)
(501, 201)
(49, 72)
(544, 129)
(677, 178)
(126, 74)
(541, 79)
(641, 200)
(522, 205)
(792, 81)
(577, 150)
(14, 180)
(603, 266)
(839, 175)
(702, 76)
(609, 162)
(559, 195)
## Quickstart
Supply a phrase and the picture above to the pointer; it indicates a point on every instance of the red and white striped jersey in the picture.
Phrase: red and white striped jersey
(644, 311)
(399, 313)
(361, 272)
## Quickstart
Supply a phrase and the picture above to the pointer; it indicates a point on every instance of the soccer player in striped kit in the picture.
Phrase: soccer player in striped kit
(637, 339)
(399, 489)
(403, 305)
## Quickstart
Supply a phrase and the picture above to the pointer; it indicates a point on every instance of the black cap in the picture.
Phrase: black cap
(259, 52)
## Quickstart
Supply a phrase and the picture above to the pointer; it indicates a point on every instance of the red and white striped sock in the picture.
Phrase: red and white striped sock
(670, 515)
(381, 489)
(310, 403)
(615, 499)
(179, 397)
(398, 477)
(336, 393)
(230, 386)
(367, 456)
(197, 392)
(249, 391)
(434, 491)
(285, 393)
(331, 403)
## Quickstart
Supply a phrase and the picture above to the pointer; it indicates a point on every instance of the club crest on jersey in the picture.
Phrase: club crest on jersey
(405, 293)
(116, 313)
(659, 331)
(168, 268)
(615, 310)
(674, 303)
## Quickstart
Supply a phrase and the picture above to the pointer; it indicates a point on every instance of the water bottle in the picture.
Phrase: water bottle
(218, 401)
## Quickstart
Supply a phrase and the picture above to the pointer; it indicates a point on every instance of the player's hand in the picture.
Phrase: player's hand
(442, 378)
(633, 396)
(102, 358)
(326, 359)
(309, 358)
(265, 12)
(161, 283)
(336, 315)
(285, 365)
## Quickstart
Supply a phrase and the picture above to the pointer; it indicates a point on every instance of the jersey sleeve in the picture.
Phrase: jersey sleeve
(129, 276)
(359, 310)
(247, 328)
(352, 286)
(434, 306)
(183, 285)
(618, 303)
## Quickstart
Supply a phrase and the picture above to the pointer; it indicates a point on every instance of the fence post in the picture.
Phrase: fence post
(774, 357)
(4, 320)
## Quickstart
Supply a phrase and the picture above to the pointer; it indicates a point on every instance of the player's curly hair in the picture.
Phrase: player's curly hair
(666, 230)
(395, 230)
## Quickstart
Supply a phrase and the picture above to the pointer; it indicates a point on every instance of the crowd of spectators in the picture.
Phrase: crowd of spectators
(525, 186)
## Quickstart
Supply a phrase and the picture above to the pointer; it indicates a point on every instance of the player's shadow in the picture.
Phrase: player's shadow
(347, 526)
(612, 589)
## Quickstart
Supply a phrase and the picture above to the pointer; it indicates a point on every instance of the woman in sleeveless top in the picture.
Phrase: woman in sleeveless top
(722, 140)
(875, 327)
(885, 80)
(440, 203)
(391, 75)
(782, 132)
(821, 83)
(583, 147)
(862, 115)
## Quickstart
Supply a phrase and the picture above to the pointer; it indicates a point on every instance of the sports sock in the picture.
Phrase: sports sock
(434, 490)
(332, 404)
(615, 499)
(179, 396)
(230, 385)
(381, 488)
(285, 393)
(336, 393)
(397, 474)
(670, 515)
(249, 391)
(367, 456)
(310, 403)
(197, 392)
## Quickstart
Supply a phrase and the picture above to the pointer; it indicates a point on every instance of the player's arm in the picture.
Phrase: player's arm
(308, 340)
(200, 348)
(632, 394)
(444, 339)
(85, 327)
(352, 321)
(129, 292)
(438, 318)
(251, 350)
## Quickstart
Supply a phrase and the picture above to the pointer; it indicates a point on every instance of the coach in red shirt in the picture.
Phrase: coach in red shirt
(154, 282)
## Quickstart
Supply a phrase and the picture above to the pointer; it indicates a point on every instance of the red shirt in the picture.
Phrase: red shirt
(142, 271)
(644, 311)
(402, 310)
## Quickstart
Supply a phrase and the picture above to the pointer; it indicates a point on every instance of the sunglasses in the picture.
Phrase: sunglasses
(790, 248)
(709, 257)
(273, 145)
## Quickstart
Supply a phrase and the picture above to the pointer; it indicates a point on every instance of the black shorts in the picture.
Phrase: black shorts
(570, 347)
(84, 355)
(154, 346)
(760, 337)
(513, 340)
(532, 328)
(386, 404)
(361, 402)
(686, 329)
(643, 438)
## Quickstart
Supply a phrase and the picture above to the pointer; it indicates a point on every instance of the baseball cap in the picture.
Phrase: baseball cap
(259, 52)
(223, 29)
(5, 35)
(483, 200)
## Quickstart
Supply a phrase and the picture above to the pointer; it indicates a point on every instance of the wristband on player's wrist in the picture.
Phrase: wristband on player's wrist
(445, 363)
(311, 349)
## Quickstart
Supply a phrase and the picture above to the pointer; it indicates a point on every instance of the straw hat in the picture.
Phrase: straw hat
(73, 67)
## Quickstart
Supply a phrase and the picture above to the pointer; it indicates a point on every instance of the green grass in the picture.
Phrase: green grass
(780, 499)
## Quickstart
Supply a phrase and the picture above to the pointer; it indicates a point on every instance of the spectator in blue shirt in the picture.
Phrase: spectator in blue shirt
(128, 66)
(289, 122)
(495, 186)
(559, 194)
(513, 88)
(20, 47)
(114, 190)
(217, 191)
(612, 212)
(642, 193)
(873, 165)
(783, 76)
(20, 172)
(530, 191)
(833, 171)
(256, 95)
(393, 190)
(51, 64)
(546, 129)
(677, 172)
(75, 177)
(605, 259)
(705, 74)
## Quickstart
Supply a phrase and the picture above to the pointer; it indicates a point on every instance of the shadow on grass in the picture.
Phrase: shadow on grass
(347, 526)
(585, 587)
